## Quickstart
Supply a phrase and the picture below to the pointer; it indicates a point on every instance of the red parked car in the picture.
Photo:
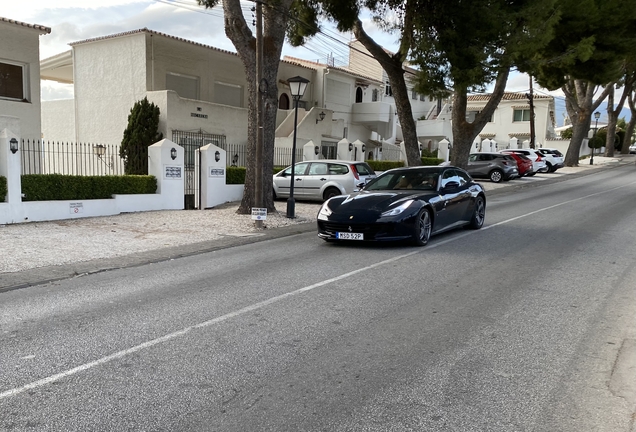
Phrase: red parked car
(524, 164)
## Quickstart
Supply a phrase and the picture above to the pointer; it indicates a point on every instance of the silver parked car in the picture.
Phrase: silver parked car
(320, 180)
(494, 166)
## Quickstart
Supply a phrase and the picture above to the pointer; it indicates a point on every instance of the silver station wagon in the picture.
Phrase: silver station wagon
(320, 180)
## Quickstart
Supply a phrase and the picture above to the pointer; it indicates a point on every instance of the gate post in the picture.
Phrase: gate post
(165, 162)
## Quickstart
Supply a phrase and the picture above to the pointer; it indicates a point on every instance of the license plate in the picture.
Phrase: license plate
(349, 236)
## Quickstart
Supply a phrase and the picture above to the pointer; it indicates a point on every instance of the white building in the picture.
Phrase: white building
(432, 116)
(511, 121)
(20, 74)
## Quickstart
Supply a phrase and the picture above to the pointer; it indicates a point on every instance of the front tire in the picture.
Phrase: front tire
(423, 228)
(479, 215)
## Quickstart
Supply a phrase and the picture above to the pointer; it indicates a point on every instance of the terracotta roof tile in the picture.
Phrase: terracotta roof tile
(42, 28)
(506, 96)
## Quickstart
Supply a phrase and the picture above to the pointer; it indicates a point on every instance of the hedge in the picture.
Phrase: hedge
(55, 187)
(235, 175)
(3, 188)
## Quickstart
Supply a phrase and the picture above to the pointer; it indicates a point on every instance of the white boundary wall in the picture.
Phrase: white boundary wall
(168, 171)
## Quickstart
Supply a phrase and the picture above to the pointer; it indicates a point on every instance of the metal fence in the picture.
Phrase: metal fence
(54, 157)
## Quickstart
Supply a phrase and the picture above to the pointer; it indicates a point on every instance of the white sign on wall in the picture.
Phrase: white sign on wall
(216, 172)
(171, 172)
(76, 208)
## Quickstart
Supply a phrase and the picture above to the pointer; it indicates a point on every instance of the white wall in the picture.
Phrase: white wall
(110, 76)
(58, 120)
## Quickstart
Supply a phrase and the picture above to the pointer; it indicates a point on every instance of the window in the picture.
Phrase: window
(299, 169)
(358, 95)
(414, 95)
(336, 169)
(387, 89)
(12, 81)
(422, 98)
(374, 95)
(318, 169)
(229, 94)
(521, 115)
(185, 86)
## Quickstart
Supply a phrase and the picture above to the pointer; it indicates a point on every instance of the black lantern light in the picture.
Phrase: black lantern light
(297, 86)
(173, 153)
(316, 150)
(350, 146)
(13, 145)
(217, 156)
(321, 117)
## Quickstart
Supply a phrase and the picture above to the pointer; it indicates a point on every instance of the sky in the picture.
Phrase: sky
(76, 20)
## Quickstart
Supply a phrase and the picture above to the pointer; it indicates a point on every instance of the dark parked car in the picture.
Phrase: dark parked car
(494, 166)
(405, 204)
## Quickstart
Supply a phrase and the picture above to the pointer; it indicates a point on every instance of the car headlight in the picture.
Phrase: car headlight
(325, 211)
(397, 210)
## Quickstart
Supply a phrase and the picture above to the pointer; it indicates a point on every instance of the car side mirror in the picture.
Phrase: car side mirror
(283, 174)
(451, 185)
(360, 185)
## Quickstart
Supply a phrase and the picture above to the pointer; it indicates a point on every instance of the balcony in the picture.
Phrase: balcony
(377, 116)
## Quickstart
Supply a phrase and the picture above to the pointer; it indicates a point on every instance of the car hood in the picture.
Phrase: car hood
(375, 202)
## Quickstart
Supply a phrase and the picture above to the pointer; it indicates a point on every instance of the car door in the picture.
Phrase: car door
(479, 164)
(453, 199)
(282, 180)
(314, 180)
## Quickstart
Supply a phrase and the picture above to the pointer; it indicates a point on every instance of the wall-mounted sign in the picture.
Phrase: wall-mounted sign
(172, 172)
(259, 213)
(76, 208)
(216, 172)
(198, 115)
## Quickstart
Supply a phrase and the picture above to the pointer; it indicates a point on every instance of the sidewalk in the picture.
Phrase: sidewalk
(44, 251)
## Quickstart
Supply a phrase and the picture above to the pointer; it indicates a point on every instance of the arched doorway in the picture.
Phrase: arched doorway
(283, 102)
(358, 95)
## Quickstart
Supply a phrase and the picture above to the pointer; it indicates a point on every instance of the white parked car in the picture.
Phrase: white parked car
(538, 160)
(554, 158)
(320, 180)
(632, 149)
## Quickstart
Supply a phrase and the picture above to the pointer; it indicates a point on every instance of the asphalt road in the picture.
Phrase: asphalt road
(525, 325)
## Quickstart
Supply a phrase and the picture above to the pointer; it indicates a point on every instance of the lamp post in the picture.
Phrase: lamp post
(297, 86)
(596, 117)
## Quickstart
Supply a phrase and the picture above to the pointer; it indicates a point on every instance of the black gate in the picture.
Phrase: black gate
(191, 142)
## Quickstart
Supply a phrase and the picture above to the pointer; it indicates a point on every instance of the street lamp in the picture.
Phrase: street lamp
(297, 86)
(596, 117)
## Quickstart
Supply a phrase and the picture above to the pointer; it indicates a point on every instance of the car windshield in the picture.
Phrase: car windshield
(405, 179)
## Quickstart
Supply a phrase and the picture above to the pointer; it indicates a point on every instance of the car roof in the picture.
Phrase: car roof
(335, 161)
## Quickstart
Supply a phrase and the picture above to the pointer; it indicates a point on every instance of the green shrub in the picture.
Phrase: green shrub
(380, 165)
(56, 187)
(426, 153)
(3, 189)
(431, 161)
(235, 175)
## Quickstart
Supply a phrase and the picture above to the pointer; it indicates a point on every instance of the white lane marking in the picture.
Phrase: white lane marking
(259, 305)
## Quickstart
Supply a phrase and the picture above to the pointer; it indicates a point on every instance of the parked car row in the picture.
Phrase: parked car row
(511, 163)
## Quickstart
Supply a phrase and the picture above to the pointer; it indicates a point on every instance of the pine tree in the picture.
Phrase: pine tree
(141, 132)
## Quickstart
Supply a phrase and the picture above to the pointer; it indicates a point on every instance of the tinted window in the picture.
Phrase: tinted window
(364, 169)
(472, 158)
(337, 169)
(449, 176)
(463, 177)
